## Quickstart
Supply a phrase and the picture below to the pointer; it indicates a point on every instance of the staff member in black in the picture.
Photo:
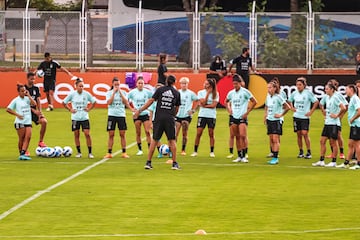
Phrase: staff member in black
(49, 66)
(217, 68)
(243, 65)
(168, 102)
(162, 69)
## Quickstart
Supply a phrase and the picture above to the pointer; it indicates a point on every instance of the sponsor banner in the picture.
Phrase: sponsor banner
(98, 83)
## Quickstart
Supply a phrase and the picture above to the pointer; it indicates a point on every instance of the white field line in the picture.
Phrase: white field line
(279, 232)
(39, 193)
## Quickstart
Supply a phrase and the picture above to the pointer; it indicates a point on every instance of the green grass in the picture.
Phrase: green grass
(227, 200)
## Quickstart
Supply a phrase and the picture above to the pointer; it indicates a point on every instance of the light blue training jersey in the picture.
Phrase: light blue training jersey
(302, 102)
(22, 107)
(117, 107)
(354, 105)
(207, 112)
(79, 102)
(341, 98)
(186, 98)
(274, 106)
(139, 98)
(332, 106)
(239, 101)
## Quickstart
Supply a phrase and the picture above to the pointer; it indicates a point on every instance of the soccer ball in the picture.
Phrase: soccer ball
(38, 151)
(40, 73)
(43, 152)
(164, 149)
(50, 152)
(58, 151)
(67, 151)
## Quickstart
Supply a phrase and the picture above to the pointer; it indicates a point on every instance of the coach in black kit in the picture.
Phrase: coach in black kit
(168, 102)
(243, 65)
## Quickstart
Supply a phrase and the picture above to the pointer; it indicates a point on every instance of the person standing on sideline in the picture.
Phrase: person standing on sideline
(168, 102)
(186, 110)
(275, 109)
(81, 104)
(358, 64)
(49, 66)
(20, 107)
(300, 102)
(117, 101)
(334, 109)
(237, 104)
(244, 65)
(138, 97)
(162, 69)
(208, 100)
(354, 122)
(36, 115)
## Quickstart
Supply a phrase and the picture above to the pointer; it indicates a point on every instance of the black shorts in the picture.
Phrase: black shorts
(164, 125)
(112, 121)
(35, 118)
(354, 133)
(245, 76)
(237, 121)
(143, 118)
(203, 121)
(77, 124)
(21, 125)
(274, 127)
(339, 128)
(49, 85)
(301, 124)
(330, 131)
(187, 119)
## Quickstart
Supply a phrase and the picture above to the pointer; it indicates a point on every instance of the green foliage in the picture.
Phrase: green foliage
(227, 39)
(290, 52)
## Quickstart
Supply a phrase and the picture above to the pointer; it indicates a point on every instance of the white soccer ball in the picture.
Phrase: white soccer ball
(40, 73)
(58, 151)
(38, 151)
(50, 152)
(43, 152)
(67, 151)
(164, 149)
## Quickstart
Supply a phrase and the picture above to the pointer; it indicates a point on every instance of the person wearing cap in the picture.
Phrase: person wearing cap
(116, 100)
(243, 65)
(49, 66)
(239, 103)
(168, 102)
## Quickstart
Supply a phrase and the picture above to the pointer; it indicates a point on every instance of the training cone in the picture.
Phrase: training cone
(170, 161)
(200, 232)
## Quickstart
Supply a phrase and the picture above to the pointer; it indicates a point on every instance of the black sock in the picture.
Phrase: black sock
(183, 147)
(322, 158)
(239, 154)
(271, 150)
(309, 151)
(346, 162)
(22, 152)
(110, 150)
(124, 150)
(333, 160)
(211, 149)
(342, 150)
(196, 148)
(301, 151)
(139, 146)
(158, 148)
(89, 149)
(246, 151)
(78, 149)
(276, 154)
(354, 156)
(231, 150)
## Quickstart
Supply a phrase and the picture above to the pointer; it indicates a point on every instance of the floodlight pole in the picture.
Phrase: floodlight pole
(196, 38)
(83, 37)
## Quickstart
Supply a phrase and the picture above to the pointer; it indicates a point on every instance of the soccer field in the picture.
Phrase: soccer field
(70, 198)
